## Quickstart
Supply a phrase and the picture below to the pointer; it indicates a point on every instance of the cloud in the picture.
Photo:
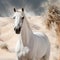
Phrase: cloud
(34, 6)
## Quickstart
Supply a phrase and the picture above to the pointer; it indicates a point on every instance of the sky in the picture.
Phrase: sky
(6, 6)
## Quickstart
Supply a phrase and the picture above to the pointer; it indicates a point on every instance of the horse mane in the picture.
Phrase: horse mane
(26, 20)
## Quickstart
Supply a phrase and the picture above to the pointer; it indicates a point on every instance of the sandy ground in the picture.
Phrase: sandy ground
(8, 35)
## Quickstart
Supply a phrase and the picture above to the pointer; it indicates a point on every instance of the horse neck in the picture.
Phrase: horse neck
(26, 33)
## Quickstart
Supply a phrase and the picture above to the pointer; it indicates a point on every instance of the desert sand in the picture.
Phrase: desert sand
(8, 36)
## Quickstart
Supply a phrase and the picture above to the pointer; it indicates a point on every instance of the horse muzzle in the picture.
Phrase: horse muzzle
(17, 30)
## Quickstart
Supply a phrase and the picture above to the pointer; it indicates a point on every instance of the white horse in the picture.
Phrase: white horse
(31, 46)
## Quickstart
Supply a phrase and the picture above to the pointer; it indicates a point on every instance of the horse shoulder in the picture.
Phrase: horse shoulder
(41, 38)
(41, 43)
(41, 35)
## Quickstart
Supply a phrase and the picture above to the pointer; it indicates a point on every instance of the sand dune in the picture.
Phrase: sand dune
(8, 35)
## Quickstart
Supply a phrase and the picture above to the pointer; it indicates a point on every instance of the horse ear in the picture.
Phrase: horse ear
(22, 9)
(14, 10)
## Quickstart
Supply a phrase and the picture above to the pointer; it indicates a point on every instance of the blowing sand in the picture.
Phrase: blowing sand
(8, 36)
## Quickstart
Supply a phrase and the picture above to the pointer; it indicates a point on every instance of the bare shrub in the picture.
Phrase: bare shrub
(53, 17)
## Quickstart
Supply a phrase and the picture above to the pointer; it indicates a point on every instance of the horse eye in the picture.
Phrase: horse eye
(22, 18)
(13, 17)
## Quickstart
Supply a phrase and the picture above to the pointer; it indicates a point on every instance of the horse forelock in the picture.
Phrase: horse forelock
(19, 10)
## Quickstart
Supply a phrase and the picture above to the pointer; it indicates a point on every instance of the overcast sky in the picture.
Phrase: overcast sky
(6, 6)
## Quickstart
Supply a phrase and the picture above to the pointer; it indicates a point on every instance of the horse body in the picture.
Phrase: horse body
(32, 46)
(37, 42)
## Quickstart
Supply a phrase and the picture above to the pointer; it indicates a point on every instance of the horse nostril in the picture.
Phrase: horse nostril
(19, 28)
(14, 28)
